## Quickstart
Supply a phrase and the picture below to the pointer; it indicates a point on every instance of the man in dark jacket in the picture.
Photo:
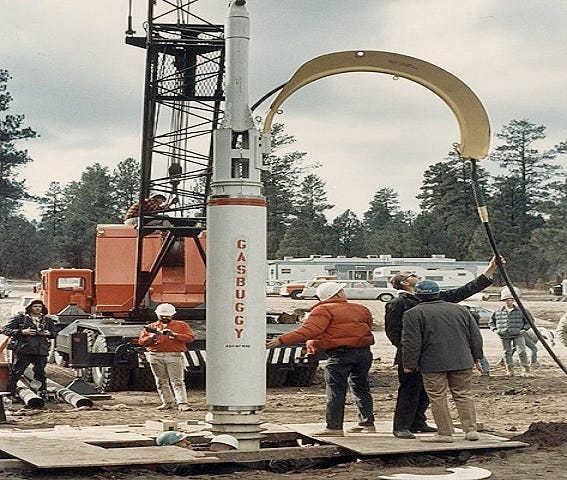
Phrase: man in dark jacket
(443, 342)
(31, 332)
(412, 401)
(344, 330)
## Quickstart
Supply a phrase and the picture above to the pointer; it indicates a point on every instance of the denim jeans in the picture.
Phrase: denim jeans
(515, 343)
(484, 365)
(348, 367)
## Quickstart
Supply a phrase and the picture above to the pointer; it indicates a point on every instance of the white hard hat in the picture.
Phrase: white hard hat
(226, 440)
(505, 293)
(329, 289)
(165, 310)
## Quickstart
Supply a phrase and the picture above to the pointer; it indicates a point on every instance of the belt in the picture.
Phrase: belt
(346, 349)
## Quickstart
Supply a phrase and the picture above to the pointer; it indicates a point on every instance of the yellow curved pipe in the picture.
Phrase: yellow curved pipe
(465, 105)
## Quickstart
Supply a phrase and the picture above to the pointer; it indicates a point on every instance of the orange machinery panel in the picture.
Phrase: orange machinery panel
(180, 281)
(62, 286)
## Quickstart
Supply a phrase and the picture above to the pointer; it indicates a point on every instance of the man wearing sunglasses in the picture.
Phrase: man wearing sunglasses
(412, 401)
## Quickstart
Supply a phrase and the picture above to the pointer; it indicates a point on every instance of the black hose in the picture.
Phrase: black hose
(483, 214)
(266, 96)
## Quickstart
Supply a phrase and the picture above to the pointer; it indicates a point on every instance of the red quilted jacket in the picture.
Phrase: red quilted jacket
(334, 323)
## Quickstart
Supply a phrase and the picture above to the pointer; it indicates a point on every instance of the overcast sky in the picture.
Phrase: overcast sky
(81, 88)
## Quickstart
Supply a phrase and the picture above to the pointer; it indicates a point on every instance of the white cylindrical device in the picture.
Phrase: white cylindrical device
(237, 38)
(236, 251)
(236, 304)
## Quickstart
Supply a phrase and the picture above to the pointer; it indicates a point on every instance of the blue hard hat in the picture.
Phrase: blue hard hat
(426, 287)
(170, 438)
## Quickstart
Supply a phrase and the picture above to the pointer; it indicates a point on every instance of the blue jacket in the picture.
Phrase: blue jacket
(508, 324)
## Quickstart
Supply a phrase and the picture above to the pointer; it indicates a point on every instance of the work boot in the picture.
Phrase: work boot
(423, 429)
(183, 407)
(361, 429)
(404, 434)
(526, 372)
(509, 371)
(328, 432)
(165, 406)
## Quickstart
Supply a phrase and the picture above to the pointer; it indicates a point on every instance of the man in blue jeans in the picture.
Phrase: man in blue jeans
(344, 330)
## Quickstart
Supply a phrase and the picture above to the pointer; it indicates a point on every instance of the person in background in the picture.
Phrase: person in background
(166, 343)
(154, 204)
(442, 341)
(412, 401)
(483, 362)
(344, 330)
(30, 333)
(561, 330)
(510, 325)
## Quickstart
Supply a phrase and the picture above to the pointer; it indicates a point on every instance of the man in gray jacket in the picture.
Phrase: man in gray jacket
(442, 340)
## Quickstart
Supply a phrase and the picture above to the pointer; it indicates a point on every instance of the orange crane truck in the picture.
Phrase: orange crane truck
(99, 325)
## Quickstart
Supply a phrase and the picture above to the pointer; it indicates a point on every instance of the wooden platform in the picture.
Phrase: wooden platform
(76, 447)
(384, 443)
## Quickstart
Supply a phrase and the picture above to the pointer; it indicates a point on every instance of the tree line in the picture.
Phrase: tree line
(527, 203)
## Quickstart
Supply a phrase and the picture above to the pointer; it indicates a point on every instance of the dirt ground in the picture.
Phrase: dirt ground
(532, 409)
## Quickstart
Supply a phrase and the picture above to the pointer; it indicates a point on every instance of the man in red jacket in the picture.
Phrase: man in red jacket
(166, 343)
(344, 331)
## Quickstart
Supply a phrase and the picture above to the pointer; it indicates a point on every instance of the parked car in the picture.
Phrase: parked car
(482, 314)
(354, 290)
(4, 287)
(20, 307)
(273, 286)
(294, 289)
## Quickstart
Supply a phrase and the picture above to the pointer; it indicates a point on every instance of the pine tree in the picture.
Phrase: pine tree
(448, 216)
(89, 202)
(386, 227)
(531, 170)
(12, 190)
(126, 184)
(347, 232)
(281, 183)
(309, 233)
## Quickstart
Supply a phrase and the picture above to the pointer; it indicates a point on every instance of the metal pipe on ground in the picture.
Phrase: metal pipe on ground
(69, 396)
(29, 397)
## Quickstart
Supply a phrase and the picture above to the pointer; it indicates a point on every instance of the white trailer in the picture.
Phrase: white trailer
(446, 277)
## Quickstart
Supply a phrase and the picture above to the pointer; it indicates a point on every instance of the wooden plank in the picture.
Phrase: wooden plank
(44, 453)
(94, 437)
(384, 443)
(280, 453)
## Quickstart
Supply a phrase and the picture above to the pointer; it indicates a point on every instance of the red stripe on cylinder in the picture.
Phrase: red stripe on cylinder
(248, 202)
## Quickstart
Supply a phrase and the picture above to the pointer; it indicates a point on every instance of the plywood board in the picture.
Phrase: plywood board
(384, 443)
(46, 453)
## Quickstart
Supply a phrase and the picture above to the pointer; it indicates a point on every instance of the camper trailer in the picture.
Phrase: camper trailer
(446, 277)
